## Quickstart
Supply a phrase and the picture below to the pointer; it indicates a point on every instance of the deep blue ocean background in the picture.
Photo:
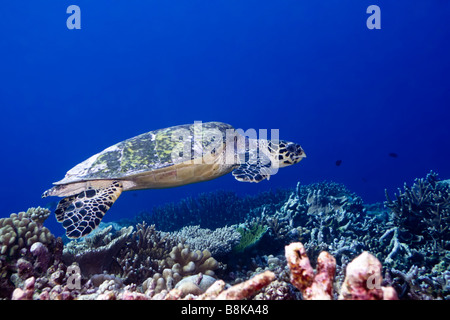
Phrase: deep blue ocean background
(311, 69)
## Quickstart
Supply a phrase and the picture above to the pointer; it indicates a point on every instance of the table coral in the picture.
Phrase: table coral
(95, 253)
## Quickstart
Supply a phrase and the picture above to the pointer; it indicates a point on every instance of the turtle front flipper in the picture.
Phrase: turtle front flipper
(256, 168)
(82, 213)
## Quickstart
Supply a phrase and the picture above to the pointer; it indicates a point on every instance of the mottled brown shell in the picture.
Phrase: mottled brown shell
(150, 151)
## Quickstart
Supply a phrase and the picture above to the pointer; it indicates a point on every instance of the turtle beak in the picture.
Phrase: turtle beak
(301, 153)
(46, 194)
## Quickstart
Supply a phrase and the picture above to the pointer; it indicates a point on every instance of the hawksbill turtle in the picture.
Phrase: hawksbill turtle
(164, 158)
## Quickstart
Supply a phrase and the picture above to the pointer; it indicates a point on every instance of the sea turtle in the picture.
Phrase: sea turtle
(164, 158)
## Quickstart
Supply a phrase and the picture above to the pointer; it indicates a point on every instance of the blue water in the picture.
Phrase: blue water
(311, 69)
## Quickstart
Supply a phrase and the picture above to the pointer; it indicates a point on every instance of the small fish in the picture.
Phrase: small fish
(393, 155)
(338, 162)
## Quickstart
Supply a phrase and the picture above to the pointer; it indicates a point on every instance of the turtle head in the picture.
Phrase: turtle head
(289, 153)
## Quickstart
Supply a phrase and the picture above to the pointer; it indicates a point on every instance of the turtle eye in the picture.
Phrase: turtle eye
(291, 147)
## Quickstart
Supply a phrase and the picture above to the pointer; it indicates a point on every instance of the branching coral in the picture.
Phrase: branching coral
(144, 254)
(424, 209)
(327, 216)
(418, 284)
(218, 242)
(418, 226)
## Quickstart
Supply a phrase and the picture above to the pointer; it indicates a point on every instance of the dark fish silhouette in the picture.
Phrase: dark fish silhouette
(338, 162)
(393, 155)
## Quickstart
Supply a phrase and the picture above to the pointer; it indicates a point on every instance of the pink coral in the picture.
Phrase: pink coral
(363, 280)
(247, 288)
(27, 292)
(239, 291)
(313, 286)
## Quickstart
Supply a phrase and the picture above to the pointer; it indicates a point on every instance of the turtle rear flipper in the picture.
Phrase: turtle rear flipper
(82, 213)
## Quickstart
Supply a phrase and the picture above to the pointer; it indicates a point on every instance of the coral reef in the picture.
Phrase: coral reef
(327, 216)
(313, 286)
(363, 280)
(250, 235)
(423, 211)
(195, 285)
(143, 254)
(94, 253)
(416, 238)
(218, 242)
(248, 288)
(212, 210)
(187, 262)
(181, 263)
(159, 260)
(218, 290)
(22, 230)
(28, 249)
(312, 242)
